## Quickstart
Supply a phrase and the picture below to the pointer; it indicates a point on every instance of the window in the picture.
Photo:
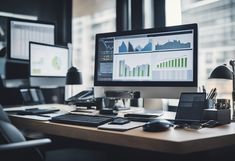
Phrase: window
(173, 12)
(209, 58)
(215, 19)
(90, 17)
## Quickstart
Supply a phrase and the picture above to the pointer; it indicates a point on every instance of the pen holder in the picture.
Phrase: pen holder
(222, 104)
(210, 103)
(222, 116)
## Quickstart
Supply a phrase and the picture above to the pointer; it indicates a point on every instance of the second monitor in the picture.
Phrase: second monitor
(48, 64)
(21, 32)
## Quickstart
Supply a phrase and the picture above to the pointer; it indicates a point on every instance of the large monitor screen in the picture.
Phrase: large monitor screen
(48, 60)
(151, 57)
(22, 32)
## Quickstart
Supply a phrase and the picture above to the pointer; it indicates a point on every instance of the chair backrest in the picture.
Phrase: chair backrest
(1, 82)
(8, 132)
(3, 115)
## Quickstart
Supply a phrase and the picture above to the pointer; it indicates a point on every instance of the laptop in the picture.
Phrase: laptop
(190, 108)
(144, 116)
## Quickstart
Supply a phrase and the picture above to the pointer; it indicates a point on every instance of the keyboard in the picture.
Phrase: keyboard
(35, 111)
(81, 119)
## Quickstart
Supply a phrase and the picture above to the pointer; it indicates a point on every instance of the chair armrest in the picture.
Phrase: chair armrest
(25, 144)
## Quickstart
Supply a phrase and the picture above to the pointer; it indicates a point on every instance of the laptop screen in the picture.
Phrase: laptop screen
(191, 106)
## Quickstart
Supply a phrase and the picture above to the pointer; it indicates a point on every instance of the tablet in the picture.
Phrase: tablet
(190, 108)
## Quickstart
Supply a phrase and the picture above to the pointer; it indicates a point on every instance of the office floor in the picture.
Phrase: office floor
(75, 154)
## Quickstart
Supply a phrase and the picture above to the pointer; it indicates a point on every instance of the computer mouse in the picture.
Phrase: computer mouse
(157, 125)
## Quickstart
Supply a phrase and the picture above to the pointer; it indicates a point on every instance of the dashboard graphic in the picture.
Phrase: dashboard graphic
(172, 66)
(180, 62)
(56, 63)
(131, 67)
(130, 48)
(106, 46)
(175, 44)
(147, 57)
(133, 45)
(48, 60)
(138, 71)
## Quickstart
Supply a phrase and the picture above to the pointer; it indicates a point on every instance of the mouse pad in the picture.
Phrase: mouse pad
(191, 106)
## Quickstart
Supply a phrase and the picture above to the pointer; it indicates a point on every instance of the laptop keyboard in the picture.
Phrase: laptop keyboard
(81, 119)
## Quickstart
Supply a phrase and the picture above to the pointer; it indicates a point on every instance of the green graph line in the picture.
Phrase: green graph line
(181, 62)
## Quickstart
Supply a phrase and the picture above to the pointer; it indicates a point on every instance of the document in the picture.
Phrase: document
(124, 127)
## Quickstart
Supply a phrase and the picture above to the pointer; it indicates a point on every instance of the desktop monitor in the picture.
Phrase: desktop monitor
(3, 38)
(21, 32)
(159, 62)
(48, 64)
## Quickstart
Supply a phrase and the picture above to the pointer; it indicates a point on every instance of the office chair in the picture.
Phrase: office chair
(13, 145)
(1, 82)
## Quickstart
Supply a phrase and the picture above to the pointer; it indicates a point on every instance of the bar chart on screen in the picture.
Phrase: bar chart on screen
(127, 69)
(169, 66)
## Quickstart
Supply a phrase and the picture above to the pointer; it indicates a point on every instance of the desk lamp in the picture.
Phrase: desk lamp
(223, 72)
(73, 77)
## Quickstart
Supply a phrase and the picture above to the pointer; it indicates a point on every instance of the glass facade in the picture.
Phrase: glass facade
(216, 21)
(216, 24)
(89, 18)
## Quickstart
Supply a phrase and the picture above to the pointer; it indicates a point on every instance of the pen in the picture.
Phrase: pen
(203, 89)
(214, 96)
(212, 93)
(42, 115)
(199, 89)
(208, 97)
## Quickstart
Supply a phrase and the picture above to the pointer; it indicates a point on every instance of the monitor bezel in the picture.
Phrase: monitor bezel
(45, 76)
(9, 54)
(5, 21)
(193, 83)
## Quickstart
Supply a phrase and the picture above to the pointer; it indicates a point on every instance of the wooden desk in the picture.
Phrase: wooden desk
(175, 141)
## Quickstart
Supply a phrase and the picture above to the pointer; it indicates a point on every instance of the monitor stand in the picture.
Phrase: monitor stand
(117, 103)
(118, 100)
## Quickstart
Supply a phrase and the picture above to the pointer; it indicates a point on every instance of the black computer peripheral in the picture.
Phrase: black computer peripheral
(119, 121)
(140, 117)
(210, 123)
(157, 125)
(108, 111)
(34, 111)
(81, 119)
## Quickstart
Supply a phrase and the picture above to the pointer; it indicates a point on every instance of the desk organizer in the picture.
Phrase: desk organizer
(222, 116)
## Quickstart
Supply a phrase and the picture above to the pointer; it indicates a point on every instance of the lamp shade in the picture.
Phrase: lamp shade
(73, 76)
(221, 72)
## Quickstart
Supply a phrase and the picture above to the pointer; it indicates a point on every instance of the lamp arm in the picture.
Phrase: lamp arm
(232, 63)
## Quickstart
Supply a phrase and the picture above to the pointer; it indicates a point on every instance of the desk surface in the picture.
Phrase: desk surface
(178, 141)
